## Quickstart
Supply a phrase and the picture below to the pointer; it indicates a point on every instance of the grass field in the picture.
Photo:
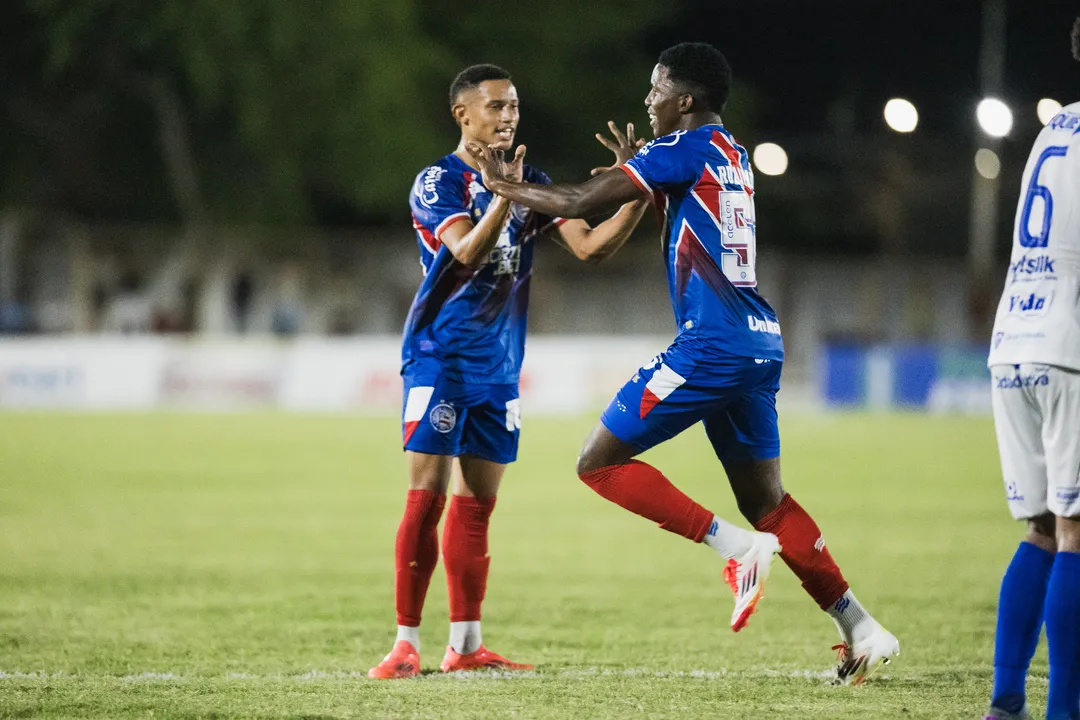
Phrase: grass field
(241, 566)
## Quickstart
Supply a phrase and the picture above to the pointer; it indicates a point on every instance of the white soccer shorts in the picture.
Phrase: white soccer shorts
(1037, 418)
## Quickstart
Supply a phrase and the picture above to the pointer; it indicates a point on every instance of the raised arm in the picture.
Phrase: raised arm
(472, 244)
(594, 244)
(603, 193)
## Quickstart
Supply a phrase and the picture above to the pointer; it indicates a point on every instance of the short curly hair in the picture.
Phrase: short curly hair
(472, 76)
(702, 70)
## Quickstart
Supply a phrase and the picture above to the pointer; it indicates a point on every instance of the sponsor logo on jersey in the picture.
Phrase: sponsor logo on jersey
(1067, 494)
(1012, 494)
(1012, 382)
(426, 183)
(1032, 265)
(761, 325)
(443, 418)
(505, 258)
(1030, 304)
(1065, 121)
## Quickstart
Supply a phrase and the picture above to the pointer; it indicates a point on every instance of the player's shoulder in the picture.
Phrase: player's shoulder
(665, 141)
(1065, 124)
(446, 167)
(438, 178)
(1073, 108)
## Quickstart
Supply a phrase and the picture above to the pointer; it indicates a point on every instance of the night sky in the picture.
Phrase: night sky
(803, 56)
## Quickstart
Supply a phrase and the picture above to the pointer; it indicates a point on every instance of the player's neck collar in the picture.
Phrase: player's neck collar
(458, 156)
(717, 123)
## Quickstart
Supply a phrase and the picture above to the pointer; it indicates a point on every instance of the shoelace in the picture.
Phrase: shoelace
(851, 665)
(731, 575)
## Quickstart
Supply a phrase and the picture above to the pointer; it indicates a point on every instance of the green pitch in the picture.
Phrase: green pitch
(241, 566)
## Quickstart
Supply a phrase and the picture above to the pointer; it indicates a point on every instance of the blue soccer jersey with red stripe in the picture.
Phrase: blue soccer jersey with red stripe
(469, 325)
(701, 183)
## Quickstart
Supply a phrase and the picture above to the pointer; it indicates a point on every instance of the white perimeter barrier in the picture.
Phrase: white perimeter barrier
(561, 374)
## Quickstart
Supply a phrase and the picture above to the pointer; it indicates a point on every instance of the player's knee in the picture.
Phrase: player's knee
(602, 449)
(1067, 534)
(598, 455)
(429, 472)
(585, 463)
(590, 458)
(1042, 532)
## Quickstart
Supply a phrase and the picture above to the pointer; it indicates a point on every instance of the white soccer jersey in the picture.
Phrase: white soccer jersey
(1038, 318)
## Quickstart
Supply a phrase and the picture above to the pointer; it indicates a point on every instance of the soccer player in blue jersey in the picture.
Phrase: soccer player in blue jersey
(723, 368)
(461, 356)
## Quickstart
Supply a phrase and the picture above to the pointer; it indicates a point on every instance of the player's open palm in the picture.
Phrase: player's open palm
(624, 146)
(493, 165)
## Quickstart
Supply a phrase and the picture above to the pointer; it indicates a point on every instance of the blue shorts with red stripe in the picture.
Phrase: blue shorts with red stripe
(443, 416)
(734, 396)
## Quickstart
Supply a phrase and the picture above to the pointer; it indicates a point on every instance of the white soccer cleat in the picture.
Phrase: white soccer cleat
(746, 575)
(855, 663)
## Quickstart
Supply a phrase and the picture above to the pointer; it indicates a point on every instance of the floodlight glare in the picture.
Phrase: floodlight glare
(987, 163)
(1047, 109)
(901, 115)
(995, 117)
(770, 159)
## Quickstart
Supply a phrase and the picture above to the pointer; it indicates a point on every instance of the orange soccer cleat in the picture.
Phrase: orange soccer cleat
(402, 662)
(481, 659)
(746, 575)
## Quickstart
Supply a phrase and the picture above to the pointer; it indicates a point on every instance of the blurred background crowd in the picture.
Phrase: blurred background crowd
(206, 170)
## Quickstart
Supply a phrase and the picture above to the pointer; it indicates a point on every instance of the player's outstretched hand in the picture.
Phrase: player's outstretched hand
(624, 146)
(493, 166)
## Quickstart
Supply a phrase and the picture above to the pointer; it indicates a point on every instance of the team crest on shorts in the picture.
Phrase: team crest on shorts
(443, 418)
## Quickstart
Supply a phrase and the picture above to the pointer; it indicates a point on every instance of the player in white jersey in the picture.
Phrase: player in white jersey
(1035, 369)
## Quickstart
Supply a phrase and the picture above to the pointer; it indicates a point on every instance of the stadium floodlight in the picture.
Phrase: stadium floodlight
(1047, 109)
(987, 163)
(770, 158)
(901, 115)
(995, 117)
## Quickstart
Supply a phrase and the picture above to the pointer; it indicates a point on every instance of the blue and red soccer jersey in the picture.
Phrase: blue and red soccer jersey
(464, 337)
(724, 366)
(701, 182)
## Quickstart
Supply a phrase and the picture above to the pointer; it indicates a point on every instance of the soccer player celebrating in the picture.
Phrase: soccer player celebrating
(463, 344)
(1035, 368)
(723, 369)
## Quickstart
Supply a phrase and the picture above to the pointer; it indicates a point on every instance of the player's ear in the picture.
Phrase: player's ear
(460, 112)
(686, 103)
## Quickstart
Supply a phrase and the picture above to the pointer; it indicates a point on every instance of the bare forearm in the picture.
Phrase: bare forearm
(606, 238)
(566, 201)
(476, 245)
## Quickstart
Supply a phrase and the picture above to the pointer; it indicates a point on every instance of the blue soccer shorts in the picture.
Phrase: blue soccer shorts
(448, 417)
(734, 396)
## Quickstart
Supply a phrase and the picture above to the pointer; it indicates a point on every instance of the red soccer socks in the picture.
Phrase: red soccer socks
(804, 551)
(416, 552)
(465, 555)
(642, 489)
